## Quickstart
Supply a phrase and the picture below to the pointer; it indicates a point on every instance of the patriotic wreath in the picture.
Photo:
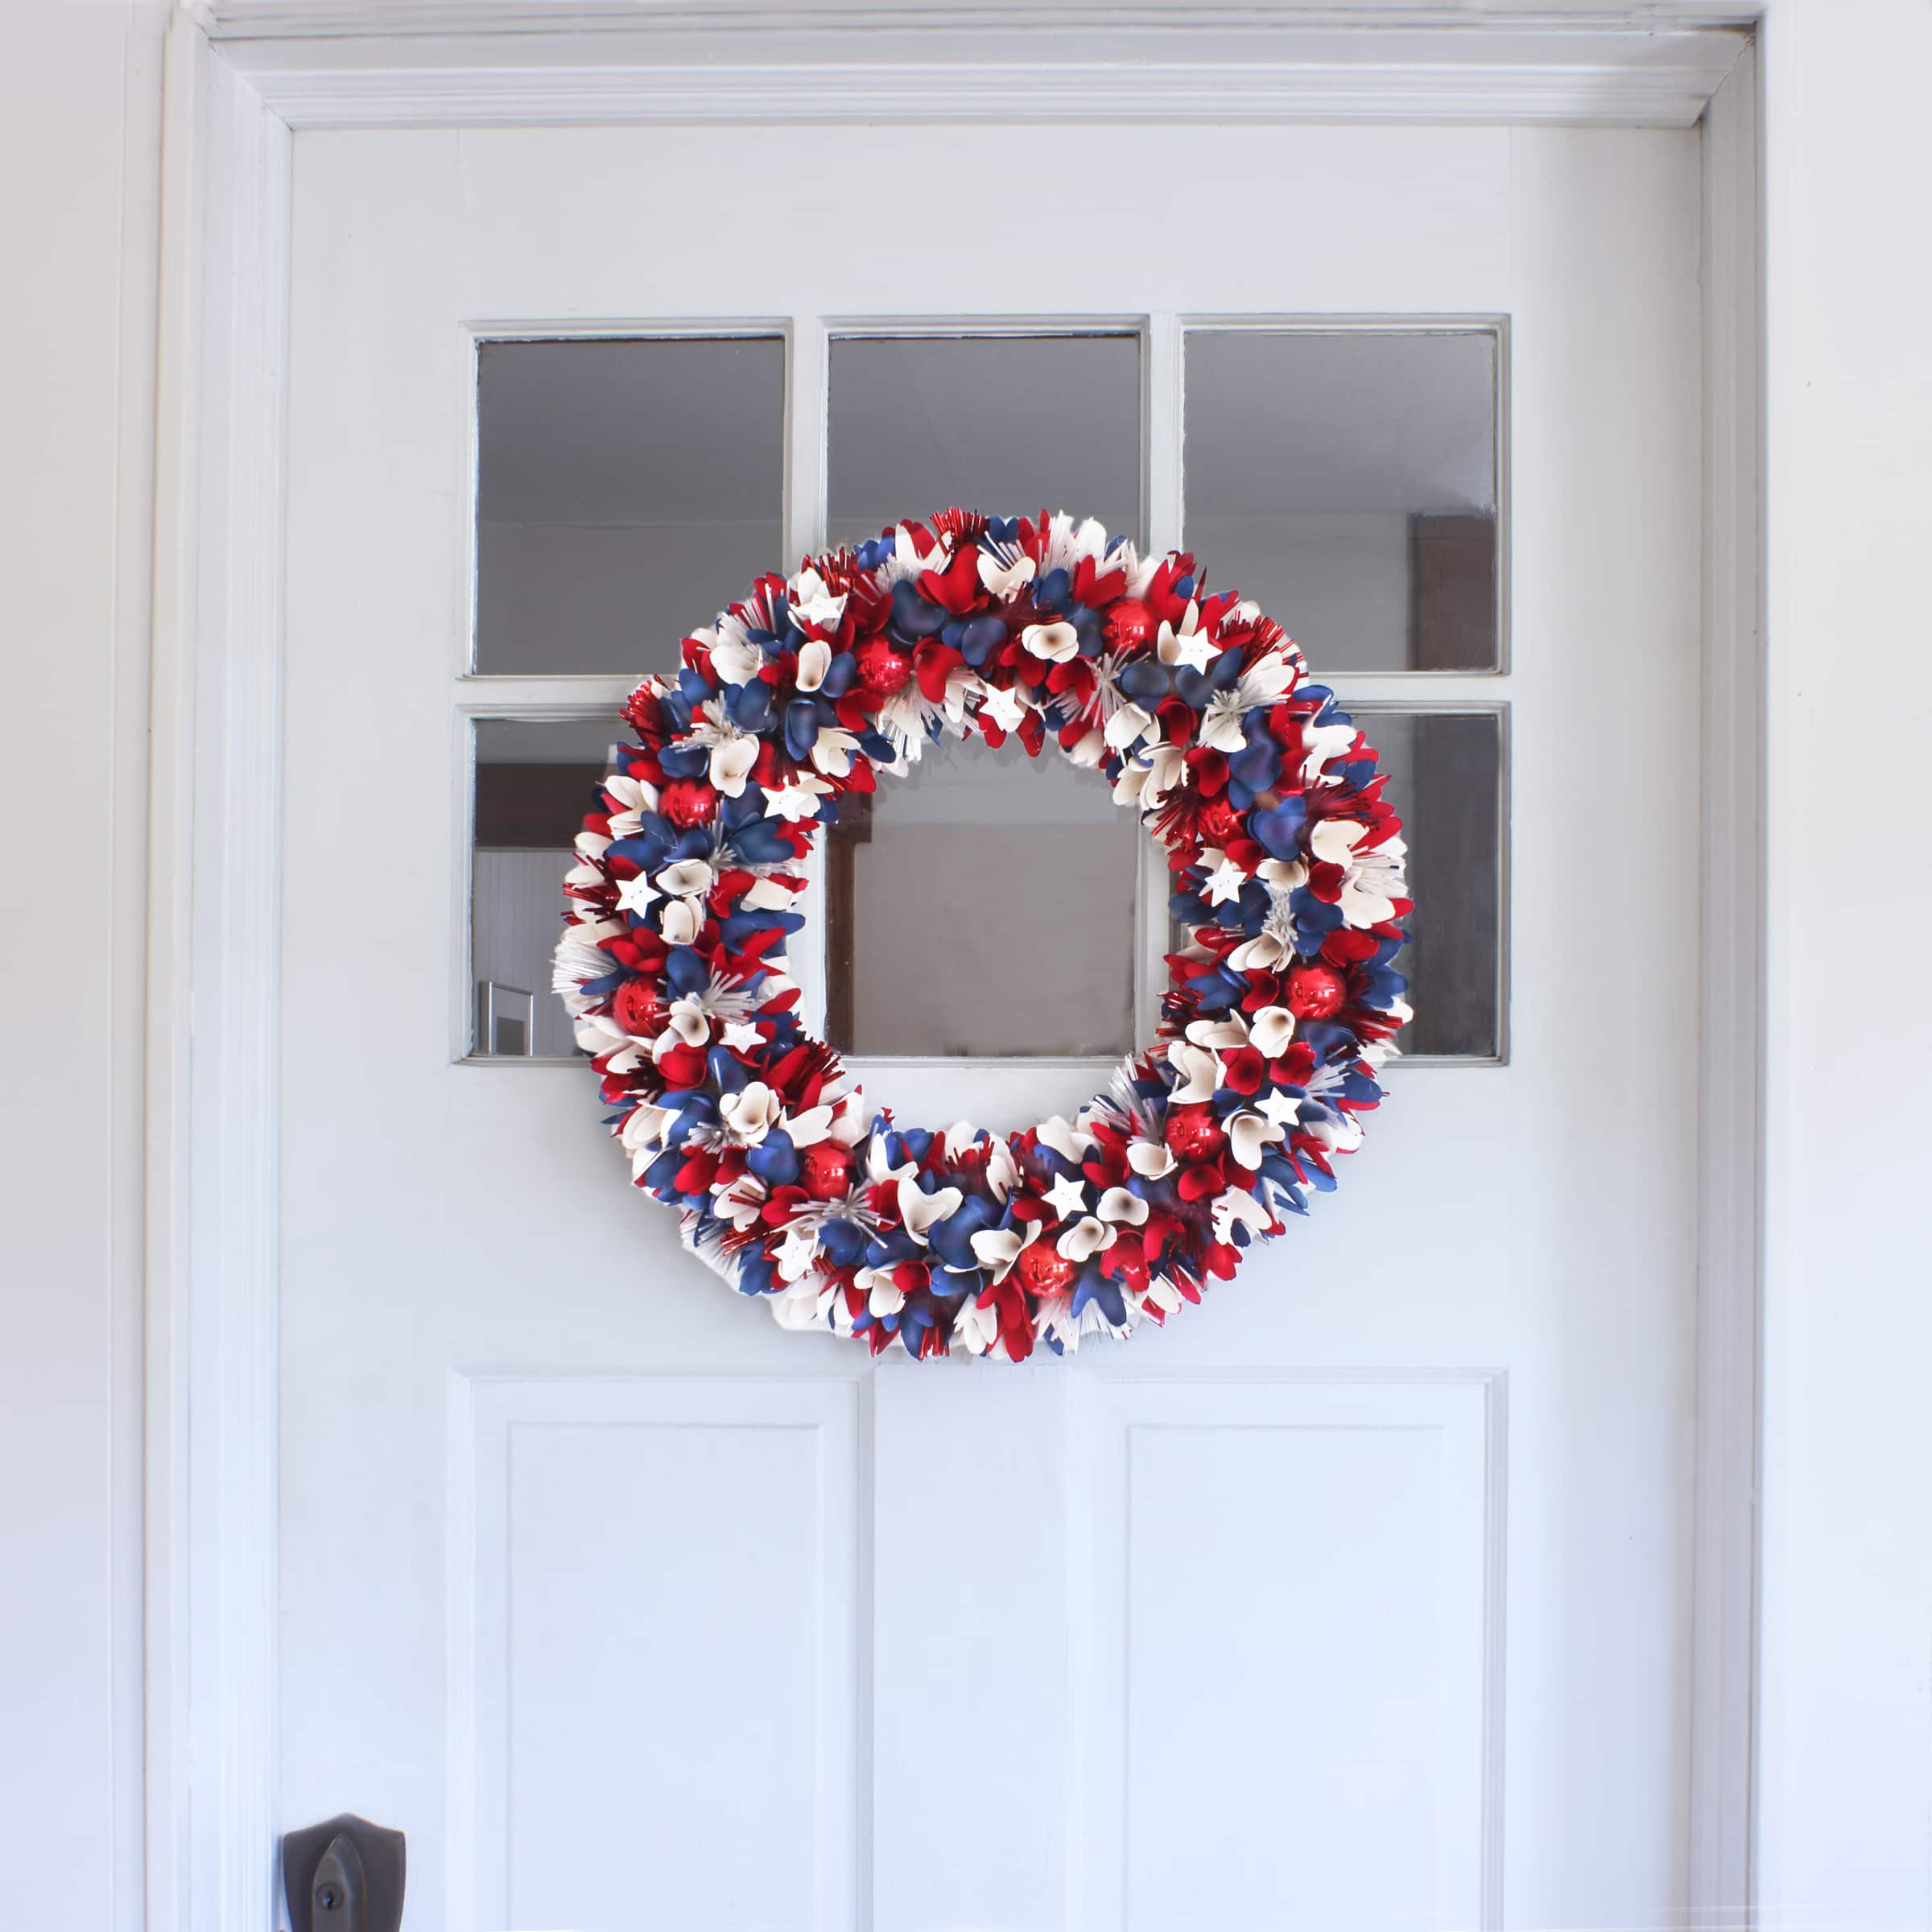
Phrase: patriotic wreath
(1287, 866)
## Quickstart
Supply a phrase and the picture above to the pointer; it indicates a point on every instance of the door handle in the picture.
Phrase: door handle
(343, 1875)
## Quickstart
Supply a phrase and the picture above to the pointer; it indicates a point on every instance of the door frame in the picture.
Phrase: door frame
(240, 82)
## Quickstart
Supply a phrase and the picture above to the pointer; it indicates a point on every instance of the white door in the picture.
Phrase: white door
(1357, 1595)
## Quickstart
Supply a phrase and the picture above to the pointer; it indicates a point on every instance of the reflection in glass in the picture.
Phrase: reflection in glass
(1445, 777)
(626, 491)
(534, 781)
(1006, 424)
(1347, 481)
(984, 908)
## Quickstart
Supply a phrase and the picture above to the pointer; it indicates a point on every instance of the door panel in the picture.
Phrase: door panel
(1357, 1596)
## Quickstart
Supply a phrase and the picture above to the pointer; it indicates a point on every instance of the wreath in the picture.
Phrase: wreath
(1287, 867)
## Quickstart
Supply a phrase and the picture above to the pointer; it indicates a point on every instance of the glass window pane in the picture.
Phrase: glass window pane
(1006, 424)
(1445, 779)
(984, 908)
(1348, 483)
(626, 492)
(534, 781)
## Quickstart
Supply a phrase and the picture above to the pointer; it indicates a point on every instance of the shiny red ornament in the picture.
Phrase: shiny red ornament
(1128, 625)
(637, 1008)
(685, 803)
(1315, 991)
(882, 671)
(825, 1170)
(1043, 1270)
(1193, 1134)
(1220, 823)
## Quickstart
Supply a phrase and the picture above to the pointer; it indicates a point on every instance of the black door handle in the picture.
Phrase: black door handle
(345, 1875)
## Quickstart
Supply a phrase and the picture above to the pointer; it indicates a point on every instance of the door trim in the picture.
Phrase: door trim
(236, 88)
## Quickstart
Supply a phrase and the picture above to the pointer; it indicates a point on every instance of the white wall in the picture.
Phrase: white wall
(79, 152)
(1845, 1794)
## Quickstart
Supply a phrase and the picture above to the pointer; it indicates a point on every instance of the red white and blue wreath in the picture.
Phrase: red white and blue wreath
(1287, 866)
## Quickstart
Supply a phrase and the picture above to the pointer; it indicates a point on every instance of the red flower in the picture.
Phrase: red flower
(1244, 1069)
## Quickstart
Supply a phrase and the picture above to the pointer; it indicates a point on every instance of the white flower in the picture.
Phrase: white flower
(1070, 1142)
(1150, 1159)
(1055, 642)
(767, 895)
(688, 1025)
(1128, 725)
(920, 1211)
(687, 879)
(1374, 881)
(1248, 1133)
(751, 1113)
(1220, 1036)
(1271, 1030)
(883, 1295)
(1118, 1204)
(1237, 1206)
(1068, 544)
(1265, 683)
(731, 762)
(974, 1328)
(833, 750)
(999, 1248)
(1001, 579)
(1150, 774)
(1199, 1070)
(1323, 743)
(815, 660)
(681, 923)
(733, 655)
(1086, 1237)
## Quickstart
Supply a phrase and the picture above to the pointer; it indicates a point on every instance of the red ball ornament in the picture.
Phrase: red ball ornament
(825, 1170)
(685, 803)
(637, 1008)
(1220, 822)
(1315, 992)
(882, 671)
(1128, 625)
(1193, 1134)
(1043, 1270)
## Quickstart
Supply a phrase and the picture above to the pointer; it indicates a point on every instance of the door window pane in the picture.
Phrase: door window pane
(626, 492)
(1006, 424)
(983, 908)
(1348, 482)
(534, 781)
(1446, 779)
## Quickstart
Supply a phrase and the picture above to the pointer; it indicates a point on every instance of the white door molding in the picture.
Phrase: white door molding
(236, 86)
